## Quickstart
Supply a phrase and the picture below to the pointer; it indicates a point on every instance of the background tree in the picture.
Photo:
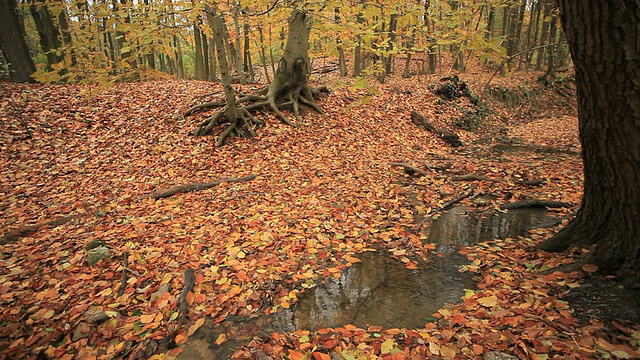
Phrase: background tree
(607, 73)
(12, 41)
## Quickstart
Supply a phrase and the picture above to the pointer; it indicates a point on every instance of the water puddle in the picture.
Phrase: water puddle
(382, 291)
(460, 227)
(379, 290)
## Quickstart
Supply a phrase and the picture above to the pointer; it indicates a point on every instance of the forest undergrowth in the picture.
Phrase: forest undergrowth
(322, 194)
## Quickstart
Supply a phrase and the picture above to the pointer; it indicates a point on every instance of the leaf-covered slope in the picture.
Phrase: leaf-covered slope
(322, 193)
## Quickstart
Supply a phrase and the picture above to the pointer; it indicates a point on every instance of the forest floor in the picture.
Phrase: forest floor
(323, 194)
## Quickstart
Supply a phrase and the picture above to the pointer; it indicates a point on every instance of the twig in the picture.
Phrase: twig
(123, 282)
(445, 206)
(189, 280)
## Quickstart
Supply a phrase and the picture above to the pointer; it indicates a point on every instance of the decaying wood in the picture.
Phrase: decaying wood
(159, 194)
(533, 182)
(409, 169)
(123, 281)
(448, 137)
(534, 203)
(189, 280)
(444, 206)
(471, 177)
(27, 230)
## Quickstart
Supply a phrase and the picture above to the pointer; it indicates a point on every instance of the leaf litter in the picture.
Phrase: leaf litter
(323, 193)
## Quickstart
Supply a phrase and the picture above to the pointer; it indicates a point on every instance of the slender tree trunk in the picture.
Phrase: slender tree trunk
(199, 70)
(552, 48)
(238, 52)
(263, 54)
(546, 15)
(178, 53)
(248, 63)
(607, 73)
(12, 41)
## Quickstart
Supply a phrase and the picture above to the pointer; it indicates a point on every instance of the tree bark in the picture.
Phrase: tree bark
(607, 73)
(12, 41)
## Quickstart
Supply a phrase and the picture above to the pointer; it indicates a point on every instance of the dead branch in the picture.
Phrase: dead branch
(189, 280)
(535, 203)
(448, 137)
(123, 281)
(533, 182)
(471, 177)
(445, 206)
(27, 230)
(409, 169)
(159, 194)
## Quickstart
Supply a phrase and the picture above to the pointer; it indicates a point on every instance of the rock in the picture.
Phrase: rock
(96, 243)
(497, 355)
(96, 316)
(97, 254)
(81, 331)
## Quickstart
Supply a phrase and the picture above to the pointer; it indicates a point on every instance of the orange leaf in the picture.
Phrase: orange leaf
(221, 338)
(180, 338)
(294, 355)
(176, 351)
(590, 268)
(147, 318)
(193, 328)
(320, 356)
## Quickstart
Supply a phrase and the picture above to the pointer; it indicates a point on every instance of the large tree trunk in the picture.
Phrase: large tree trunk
(12, 42)
(607, 73)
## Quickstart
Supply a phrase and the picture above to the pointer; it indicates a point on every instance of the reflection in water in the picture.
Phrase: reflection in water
(382, 291)
(455, 229)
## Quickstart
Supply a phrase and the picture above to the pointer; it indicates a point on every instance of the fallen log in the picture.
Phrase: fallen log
(27, 230)
(159, 194)
(471, 177)
(410, 170)
(448, 137)
(535, 203)
(533, 182)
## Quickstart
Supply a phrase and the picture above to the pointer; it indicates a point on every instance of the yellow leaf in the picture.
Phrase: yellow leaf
(193, 328)
(166, 278)
(434, 348)
(387, 346)
(221, 338)
(488, 301)
(447, 352)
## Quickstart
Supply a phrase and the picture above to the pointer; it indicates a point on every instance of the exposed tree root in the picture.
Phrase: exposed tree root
(246, 123)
